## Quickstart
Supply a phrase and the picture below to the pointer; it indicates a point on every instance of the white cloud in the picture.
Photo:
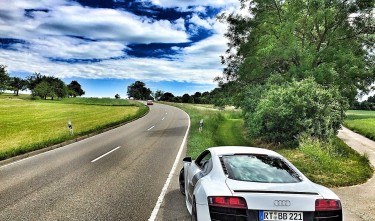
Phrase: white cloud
(175, 48)
(91, 23)
(184, 4)
(180, 24)
(109, 24)
(195, 19)
(66, 48)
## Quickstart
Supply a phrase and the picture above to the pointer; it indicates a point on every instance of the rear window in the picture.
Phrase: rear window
(259, 168)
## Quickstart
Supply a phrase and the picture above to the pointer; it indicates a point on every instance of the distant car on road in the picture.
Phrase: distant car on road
(150, 102)
(248, 183)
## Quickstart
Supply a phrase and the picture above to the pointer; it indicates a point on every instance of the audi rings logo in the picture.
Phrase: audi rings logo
(282, 203)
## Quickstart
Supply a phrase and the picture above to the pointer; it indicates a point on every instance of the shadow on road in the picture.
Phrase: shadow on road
(173, 207)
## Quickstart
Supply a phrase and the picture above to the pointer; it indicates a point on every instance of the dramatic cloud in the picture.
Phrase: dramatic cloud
(73, 48)
(157, 40)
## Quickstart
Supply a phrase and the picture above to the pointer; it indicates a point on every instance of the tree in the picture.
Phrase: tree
(75, 89)
(168, 96)
(177, 99)
(186, 98)
(371, 99)
(117, 96)
(197, 97)
(138, 91)
(330, 41)
(43, 90)
(158, 94)
(34, 80)
(18, 84)
(56, 87)
(4, 78)
(206, 98)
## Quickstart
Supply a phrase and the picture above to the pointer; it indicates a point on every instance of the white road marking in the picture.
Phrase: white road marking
(105, 154)
(151, 128)
(170, 176)
(163, 118)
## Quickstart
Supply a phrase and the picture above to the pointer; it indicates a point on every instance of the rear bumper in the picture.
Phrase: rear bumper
(232, 214)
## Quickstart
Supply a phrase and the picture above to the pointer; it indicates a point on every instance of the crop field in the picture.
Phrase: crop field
(33, 124)
(362, 122)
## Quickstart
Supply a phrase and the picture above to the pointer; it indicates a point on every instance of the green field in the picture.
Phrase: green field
(362, 122)
(331, 164)
(33, 124)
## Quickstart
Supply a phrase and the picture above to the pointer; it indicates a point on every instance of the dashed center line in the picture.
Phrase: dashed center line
(151, 128)
(163, 118)
(105, 154)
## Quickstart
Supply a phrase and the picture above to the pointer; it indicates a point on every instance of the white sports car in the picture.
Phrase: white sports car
(248, 183)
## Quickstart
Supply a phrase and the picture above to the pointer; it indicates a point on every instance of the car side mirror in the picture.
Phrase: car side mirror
(187, 159)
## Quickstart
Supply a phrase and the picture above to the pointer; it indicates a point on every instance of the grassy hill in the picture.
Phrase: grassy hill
(28, 125)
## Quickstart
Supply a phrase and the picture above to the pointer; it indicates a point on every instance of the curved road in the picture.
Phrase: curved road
(116, 175)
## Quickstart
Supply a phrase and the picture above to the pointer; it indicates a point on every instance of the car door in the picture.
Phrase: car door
(198, 169)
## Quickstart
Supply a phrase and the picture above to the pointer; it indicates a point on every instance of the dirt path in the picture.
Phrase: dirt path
(358, 201)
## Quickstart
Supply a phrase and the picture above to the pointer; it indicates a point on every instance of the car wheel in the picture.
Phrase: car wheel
(182, 181)
(194, 211)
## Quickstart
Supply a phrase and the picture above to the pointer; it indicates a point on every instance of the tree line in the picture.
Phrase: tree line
(139, 91)
(368, 104)
(40, 85)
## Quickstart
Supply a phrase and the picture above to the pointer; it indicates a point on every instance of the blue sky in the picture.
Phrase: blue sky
(171, 45)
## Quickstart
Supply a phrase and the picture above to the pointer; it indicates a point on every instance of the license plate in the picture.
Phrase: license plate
(280, 216)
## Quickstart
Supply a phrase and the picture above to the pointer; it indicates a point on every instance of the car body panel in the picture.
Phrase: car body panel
(263, 195)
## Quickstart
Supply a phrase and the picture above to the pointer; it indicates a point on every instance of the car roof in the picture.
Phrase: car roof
(229, 150)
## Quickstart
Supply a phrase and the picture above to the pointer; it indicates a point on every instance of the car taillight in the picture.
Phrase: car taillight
(227, 201)
(327, 204)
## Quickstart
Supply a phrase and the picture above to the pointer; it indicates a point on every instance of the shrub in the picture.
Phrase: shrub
(301, 107)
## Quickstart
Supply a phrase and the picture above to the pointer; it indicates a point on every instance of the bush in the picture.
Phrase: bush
(301, 107)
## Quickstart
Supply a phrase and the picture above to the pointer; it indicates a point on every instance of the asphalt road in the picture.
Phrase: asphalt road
(116, 175)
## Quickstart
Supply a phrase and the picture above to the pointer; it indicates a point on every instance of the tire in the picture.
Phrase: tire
(181, 180)
(194, 216)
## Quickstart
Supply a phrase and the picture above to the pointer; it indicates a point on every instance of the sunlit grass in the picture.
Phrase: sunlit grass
(331, 164)
(28, 125)
(362, 122)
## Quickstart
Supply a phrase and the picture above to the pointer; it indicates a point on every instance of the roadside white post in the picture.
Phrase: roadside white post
(70, 127)
(201, 125)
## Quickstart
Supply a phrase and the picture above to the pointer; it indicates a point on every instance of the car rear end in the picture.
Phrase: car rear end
(269, 188)
(262, 204)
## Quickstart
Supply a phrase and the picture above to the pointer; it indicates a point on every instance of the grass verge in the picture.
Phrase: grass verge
(362, 122)
(331, 164)
(28, 125)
